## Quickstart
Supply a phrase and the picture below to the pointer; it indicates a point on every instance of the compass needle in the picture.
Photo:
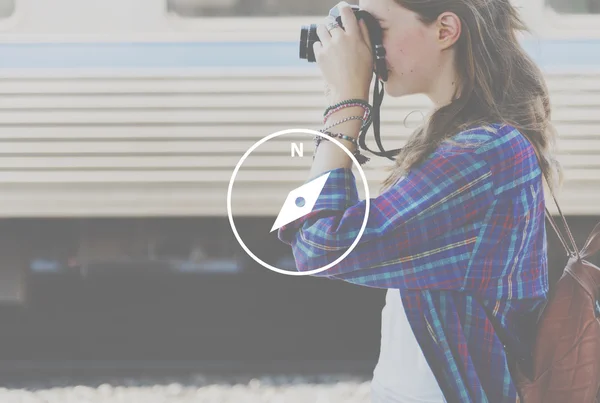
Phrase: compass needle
(300, 201)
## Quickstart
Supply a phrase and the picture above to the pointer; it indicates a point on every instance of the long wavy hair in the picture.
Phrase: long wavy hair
(498, 83)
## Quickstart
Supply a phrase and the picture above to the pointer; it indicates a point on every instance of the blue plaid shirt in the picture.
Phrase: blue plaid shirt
(462, 237)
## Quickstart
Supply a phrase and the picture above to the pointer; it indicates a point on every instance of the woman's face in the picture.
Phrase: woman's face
(413, 55)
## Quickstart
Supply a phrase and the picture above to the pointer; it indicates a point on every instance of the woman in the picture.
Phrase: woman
(457, 235)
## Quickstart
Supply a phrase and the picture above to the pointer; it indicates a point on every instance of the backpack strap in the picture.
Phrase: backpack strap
(570, 252)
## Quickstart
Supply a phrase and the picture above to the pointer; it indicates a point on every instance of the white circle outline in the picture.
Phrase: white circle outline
(367, 202)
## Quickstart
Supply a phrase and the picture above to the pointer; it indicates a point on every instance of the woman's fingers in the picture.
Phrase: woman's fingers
(348, 19)
(333, 27)
(323, 34)
(317, 49)
(365, 34)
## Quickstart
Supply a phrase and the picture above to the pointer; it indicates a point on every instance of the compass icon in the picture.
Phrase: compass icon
(300, 201)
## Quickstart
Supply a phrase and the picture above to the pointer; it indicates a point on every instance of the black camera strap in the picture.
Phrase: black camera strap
(381, 74)
(377, 101)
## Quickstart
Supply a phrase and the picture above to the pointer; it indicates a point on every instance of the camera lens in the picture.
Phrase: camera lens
(308, 36)
(303, 41)
(312, 38)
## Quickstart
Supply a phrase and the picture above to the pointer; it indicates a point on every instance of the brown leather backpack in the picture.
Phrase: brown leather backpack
(566, 353)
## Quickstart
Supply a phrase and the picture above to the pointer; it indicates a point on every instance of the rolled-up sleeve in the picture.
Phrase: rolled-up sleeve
(420, 232)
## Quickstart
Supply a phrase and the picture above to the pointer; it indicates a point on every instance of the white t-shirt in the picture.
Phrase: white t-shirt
(402, 374)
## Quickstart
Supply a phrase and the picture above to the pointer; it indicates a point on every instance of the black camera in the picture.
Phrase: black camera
(308, 36)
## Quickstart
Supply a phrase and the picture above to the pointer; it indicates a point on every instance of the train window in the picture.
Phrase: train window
(575, 6)
(7, 8)
(249, 8)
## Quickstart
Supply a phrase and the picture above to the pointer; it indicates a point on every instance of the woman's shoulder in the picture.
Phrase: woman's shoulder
(497, 138)
(509, 155)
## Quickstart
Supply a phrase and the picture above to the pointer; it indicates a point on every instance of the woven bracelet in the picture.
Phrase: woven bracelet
(360, 102)
(342, 136)
(339, 122)
(357, 154)
(366, 109)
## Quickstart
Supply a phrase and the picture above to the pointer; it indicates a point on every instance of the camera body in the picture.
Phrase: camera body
(308, 36)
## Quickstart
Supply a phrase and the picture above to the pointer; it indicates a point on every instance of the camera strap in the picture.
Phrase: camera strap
(377, 101)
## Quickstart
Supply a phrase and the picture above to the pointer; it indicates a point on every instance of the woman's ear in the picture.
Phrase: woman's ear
(448, 27)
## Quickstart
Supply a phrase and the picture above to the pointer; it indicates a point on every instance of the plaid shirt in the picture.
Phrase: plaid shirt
(462, 237)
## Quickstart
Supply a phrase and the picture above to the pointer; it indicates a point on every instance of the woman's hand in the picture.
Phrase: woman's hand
(345, 58)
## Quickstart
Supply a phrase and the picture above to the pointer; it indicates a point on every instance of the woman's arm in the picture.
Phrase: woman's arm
(346, 61)
(419, 233)
(328, 155)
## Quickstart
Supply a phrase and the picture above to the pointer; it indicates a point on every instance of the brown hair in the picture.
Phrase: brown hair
(499, 83)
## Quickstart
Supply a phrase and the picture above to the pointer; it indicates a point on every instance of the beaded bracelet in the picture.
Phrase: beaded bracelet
(331, 111)
(362, 159)
(360, 102)
(339, 122)
(367, 117)
(338, 135)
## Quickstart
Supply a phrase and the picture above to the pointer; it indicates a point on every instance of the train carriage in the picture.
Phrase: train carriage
(137, 111)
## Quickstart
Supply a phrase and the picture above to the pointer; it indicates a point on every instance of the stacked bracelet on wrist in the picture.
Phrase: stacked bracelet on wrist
(345, 104)
(357, 154)
(339, 122)
(338, 135)
(366, 117)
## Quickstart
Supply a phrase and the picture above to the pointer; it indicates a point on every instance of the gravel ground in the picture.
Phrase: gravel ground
(191, 388)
